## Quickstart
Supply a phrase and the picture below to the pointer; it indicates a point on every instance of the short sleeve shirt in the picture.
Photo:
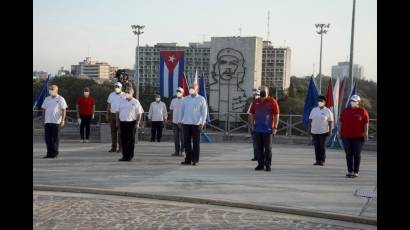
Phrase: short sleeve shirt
(85, 105)
(176, 106)
(353, 121)
(320, 120)
(128, 110)
(53, 109)
(264, 110)
(114, 99)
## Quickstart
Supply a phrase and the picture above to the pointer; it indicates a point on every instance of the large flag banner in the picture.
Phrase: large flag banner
(310, 102)
(184, 85)
(336, 100)
(329, 95)
(41, 95)
(171, 71)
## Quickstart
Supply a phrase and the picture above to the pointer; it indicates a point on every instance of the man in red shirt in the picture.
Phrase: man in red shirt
(263, 120)
(85, 112)
(354, 126)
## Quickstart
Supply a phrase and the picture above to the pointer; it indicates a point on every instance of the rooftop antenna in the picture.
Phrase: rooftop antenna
(268, 35)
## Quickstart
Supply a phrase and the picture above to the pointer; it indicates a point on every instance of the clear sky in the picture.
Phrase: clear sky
(66, 31)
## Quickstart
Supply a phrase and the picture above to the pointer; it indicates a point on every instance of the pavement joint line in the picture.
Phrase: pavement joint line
(279, 209)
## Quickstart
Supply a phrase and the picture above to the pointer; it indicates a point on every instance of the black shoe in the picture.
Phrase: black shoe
(194, 163)
(349, 175)
(321, 164)
(254, 159)
(259, 168)
(123, 159)
(267, 169)
(175, 154)
(111, 150)
(316, 163)
(47, 157)
(185, 163)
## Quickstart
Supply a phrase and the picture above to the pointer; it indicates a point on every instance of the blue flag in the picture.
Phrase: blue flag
(354, 92)
(310, 102)
(41, 95)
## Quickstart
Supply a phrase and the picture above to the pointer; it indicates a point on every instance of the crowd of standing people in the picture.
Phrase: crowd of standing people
(189, 115)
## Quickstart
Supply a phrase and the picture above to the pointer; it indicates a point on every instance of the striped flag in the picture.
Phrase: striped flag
(171, 71)
(336, 100)
(184, 85)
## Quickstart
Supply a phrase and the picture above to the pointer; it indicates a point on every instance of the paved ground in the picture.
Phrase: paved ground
(225, 172)
(79, 211)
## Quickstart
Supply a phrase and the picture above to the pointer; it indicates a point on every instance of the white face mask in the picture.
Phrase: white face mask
(52, 93)
(86, 94)
(257, 97)
(192, 91)
(179, 94)
(321, 104)
(117, 90)
(157, 99)
(354, 104)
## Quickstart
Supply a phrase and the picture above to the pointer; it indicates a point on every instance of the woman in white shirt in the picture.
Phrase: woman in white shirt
(320, 126)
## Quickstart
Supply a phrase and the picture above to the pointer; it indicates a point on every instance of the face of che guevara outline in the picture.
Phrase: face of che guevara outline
(227, 66)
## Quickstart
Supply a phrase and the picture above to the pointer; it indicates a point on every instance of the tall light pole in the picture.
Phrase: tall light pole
(137, 30)
(322, 29)
(351, 47)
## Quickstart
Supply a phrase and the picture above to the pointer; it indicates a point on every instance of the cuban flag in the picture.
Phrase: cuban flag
(171, 71)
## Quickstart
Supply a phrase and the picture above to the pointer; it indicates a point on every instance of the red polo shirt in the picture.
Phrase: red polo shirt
(264, 110)
(353, 121)
(85, 105)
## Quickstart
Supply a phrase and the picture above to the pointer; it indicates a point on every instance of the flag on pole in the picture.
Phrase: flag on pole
(196, 77)
(329, 95)
(171, 70)
(202, 92)
(353, 92)
(336, 94)
(184, 85)
(41, 95)
(310, 101)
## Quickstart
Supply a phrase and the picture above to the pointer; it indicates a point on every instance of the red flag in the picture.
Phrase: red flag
(329, 95)
(184, 85)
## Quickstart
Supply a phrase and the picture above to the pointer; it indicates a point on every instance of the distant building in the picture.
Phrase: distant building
(276, 66)
(62, 72)
(93, 69)
(341, 71)
(40, 75)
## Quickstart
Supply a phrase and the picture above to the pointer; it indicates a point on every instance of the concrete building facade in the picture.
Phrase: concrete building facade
(93, 69)
(341, 71)
(276, 66)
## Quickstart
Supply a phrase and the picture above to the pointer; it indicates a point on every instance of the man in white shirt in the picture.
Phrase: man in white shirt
(175, 107)
(53, 116)
(113, 101)
(158, 114)
(128, 118)
(193, 115)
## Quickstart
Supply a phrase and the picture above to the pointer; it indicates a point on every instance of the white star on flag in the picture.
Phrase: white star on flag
(171, 58)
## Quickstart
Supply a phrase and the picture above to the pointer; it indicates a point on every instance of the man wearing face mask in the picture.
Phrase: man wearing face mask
(158, 115)
(175, 107)
(320, 126)
(85, 112)
(256, 95)
(52, 117)
(263, 119)
(113, 101)
(354, 130)
(128, 117)
(192, 118)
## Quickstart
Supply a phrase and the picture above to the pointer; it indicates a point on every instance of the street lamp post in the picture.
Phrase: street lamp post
(322, 29)
(351, 47)
(137, 30)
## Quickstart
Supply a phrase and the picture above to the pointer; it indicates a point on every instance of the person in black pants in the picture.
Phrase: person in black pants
(158, 115)
(263, 120)
(85, 112)
(128, 118)
(52, 117)
(194, 111)
(320, 126)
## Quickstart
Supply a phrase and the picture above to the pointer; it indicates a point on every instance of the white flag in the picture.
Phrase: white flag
(336, 100)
